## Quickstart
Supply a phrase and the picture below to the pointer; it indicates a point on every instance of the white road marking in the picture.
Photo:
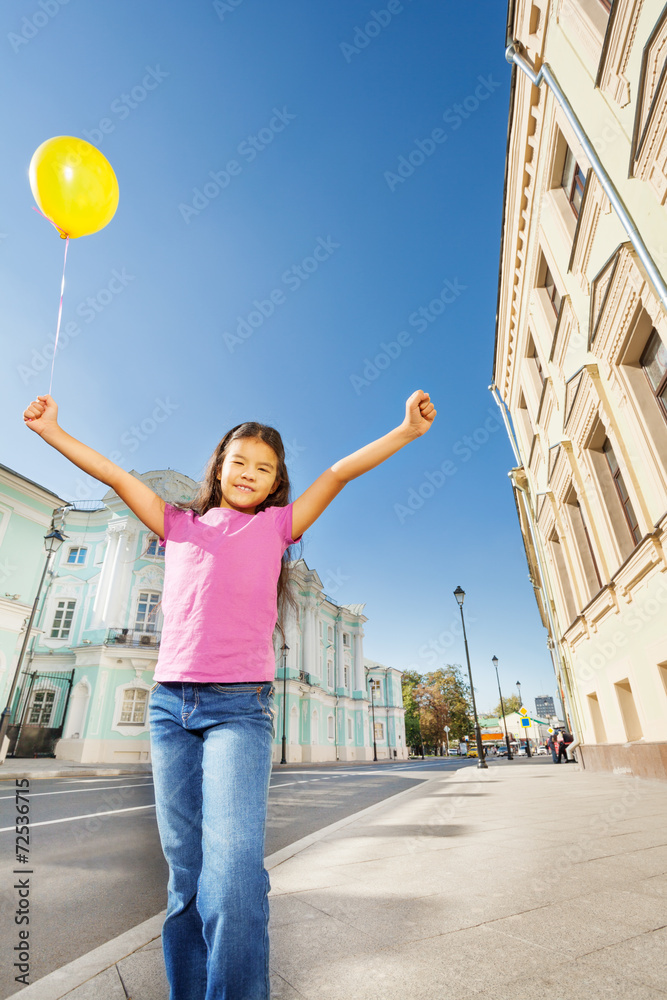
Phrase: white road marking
(72, 819)
(71, 791)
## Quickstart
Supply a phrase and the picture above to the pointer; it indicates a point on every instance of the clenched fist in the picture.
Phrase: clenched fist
(41, 414)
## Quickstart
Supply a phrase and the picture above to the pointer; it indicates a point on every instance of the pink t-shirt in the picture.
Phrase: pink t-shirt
(219, 598)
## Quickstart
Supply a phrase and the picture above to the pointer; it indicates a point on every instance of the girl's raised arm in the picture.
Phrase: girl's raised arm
(42, 417)
(419, 415)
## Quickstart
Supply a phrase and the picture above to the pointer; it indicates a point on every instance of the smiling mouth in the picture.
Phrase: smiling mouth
(244, 489)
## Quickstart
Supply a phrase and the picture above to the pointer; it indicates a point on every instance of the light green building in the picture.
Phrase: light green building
(85, 680)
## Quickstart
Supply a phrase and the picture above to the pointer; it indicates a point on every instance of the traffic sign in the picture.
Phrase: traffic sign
(523, 710)
(525, 722)
(551, 730)
(446, 729)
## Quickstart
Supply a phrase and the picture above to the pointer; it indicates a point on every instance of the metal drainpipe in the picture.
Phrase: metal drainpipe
(537, 546)
(544, 73)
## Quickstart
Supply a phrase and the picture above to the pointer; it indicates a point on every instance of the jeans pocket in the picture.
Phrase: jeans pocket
(155, 686)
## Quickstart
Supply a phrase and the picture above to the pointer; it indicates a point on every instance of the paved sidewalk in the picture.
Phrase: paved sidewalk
(522, 882)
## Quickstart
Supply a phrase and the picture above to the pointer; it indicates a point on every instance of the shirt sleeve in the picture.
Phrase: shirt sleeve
(173, 517)
(283, 521)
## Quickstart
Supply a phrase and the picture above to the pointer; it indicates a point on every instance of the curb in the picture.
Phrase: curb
(59, 983)
(111, 772)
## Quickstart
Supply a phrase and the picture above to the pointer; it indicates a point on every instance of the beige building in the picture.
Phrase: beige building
(581, 357)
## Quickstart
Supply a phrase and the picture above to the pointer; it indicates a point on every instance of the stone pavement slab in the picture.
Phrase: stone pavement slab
(516, 883)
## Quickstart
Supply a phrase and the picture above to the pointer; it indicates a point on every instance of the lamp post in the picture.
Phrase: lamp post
(285, 650)
(460, 594)
(518, 687)
(375, 749)
(52, 542)
(494, 661)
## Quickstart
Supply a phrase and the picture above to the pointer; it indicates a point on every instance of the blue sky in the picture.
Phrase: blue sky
(246, 135)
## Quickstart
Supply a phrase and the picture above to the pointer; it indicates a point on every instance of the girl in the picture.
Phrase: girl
(211, 704)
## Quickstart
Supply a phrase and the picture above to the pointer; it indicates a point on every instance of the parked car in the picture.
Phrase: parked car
(542, 752)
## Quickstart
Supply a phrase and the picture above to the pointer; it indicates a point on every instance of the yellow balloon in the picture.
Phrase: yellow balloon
(74, 185)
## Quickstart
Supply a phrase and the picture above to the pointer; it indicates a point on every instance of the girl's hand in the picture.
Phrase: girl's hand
(41, 415)
(419, 413)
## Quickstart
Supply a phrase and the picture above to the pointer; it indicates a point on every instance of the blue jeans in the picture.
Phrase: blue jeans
(211, 755)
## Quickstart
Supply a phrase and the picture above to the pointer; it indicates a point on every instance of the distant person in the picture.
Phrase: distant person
(562, 747)
(552, 747)
(211, 706)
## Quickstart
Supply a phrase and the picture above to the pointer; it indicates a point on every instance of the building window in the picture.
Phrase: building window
(562, 575)
(330, 633)
(626, 703)
(62, 620)
(77, 556)
(41, 708)
(379, 732)
(346, 676)
(330, 673)
(622, 491)
(654, 364)
(133, 710)
(330, 727)
(584, 543)
(375, 688)
(551, 290)
(147, 612)
(531, 352)
(346, 638)
(596, 718)
(349, 729)
(154, 547)
(573, 182)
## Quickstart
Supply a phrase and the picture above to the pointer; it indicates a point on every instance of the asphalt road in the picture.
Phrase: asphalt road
(96, 863)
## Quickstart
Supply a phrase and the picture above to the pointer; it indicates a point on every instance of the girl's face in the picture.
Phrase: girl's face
(248, 474)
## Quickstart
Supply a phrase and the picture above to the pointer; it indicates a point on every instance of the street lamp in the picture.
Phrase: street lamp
(518, 687)
(494, 661)
(460, 594)
(375, 749)
(52, 542)
(285, 650)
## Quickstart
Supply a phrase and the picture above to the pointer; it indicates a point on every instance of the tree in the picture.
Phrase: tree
(444, 699)
(410, 680)
(511, 702)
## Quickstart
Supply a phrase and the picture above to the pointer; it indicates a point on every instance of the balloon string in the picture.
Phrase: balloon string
(60, 313)
(57, 228)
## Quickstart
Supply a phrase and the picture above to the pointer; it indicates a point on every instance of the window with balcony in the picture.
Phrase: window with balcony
(77, 556)
(62, 619)
(654, 364)
(622, 491)
(133, 709)
(147, 611)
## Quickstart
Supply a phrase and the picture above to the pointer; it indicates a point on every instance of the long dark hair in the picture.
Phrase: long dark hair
(210, 494)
